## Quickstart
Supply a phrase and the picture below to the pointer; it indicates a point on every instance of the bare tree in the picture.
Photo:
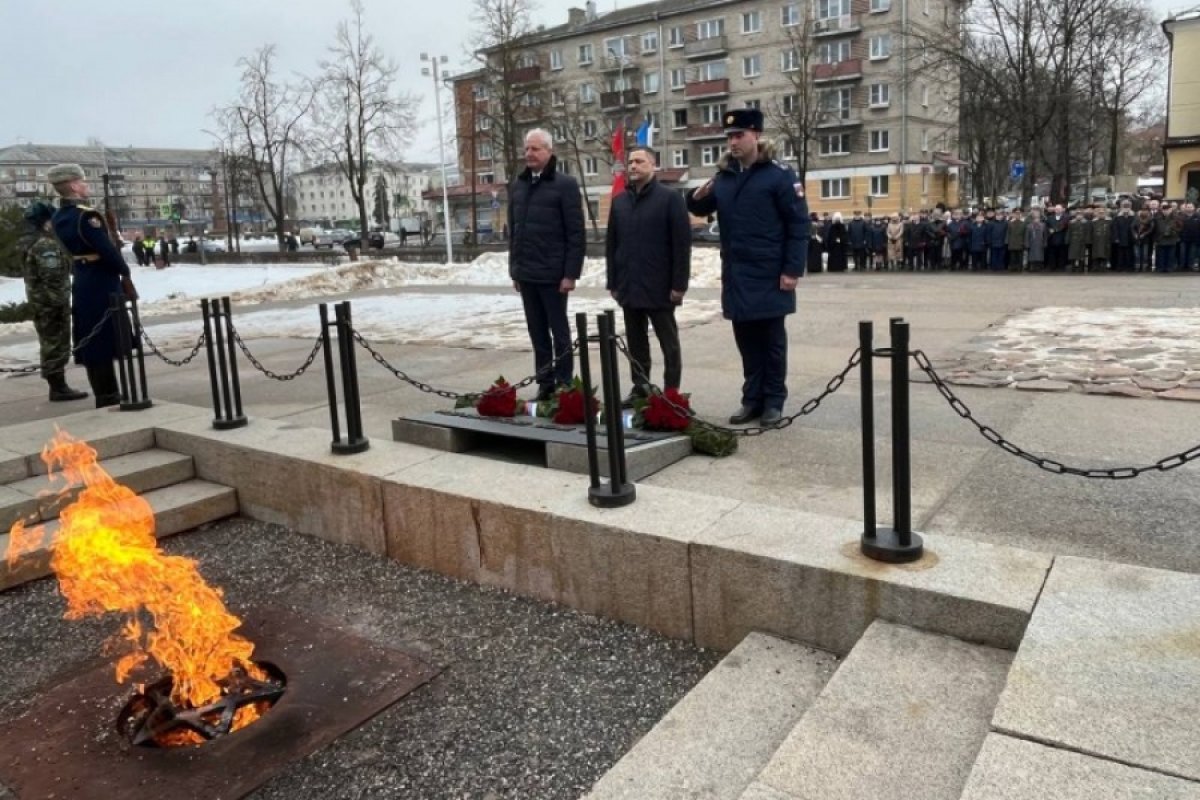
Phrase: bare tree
(264, 124)
(580, 133)
(1131, 70)
(798, 113)
(360, 119)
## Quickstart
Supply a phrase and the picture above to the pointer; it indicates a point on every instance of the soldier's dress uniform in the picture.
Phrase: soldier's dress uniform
(47, 273)
(98, 270)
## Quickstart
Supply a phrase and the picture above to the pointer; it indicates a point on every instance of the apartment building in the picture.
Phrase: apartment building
(323, 194)
(1181, 147)
(883, 139)
(148, 186)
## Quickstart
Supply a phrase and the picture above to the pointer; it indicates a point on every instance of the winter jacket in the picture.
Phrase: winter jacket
(979, 236)
(545, 224)
(764, 234)
(1056, 228)
(1079, 238)
(1102, 238)
(648, 248)
(1190, 233)
(1016, 233)
(1035, 241)
(1122, 230)
(1166, 229)
(858, 234)
(997, 233)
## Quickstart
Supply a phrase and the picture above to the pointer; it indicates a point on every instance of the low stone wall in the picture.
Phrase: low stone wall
(332, 257)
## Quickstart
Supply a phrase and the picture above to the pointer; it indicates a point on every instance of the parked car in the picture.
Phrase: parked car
(377, 240)
(307, 235)
(322, 239)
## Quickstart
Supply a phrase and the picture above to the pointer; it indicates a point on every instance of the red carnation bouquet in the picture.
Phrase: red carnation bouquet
(500, 400)
(568, 401)
(667, 411)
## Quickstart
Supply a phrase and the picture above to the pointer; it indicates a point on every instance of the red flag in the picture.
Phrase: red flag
(618, 149)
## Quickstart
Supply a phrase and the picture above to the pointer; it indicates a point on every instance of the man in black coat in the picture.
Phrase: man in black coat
(859, 238)
(545, 256)
(648, 254)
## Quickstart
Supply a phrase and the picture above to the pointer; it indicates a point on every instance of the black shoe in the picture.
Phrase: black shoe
(106, 400)
(60, 392)
(771, 417)
(745, 414)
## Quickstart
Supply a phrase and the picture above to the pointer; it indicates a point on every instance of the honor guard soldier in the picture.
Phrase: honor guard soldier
(764, 251)
(47, 272)
(99, 271)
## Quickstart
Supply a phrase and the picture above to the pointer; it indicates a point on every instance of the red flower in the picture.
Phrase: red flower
(500, 400)
(570, 405)
(667, 411)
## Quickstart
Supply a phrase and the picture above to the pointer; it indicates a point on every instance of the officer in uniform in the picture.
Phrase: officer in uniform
(47, 272)
(99, 271)
(764, 251)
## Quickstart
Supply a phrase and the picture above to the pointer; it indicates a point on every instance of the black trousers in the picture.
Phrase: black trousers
(666, 330)
(763, 346)
(102, 378)
(549, 332)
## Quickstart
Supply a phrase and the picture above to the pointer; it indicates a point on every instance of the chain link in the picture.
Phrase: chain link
(275, 376)
(809, 407)
(1041, 462)
(447, 393)
(92, 334)
(183, 362)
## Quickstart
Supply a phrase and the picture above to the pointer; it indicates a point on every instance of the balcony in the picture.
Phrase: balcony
(848, 70)
(696, 90)
(840, 119)
(701, 48)
(616, 63)
(615, 101)
(713, 130)
(836, 26)
(530, 74)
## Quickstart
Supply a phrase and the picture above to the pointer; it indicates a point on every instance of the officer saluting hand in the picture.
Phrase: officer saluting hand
(99, 271)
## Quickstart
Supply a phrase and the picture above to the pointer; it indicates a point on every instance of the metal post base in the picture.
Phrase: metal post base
(345, 447)
(228, 424)
(885, 546)
(609, 496)
(137, 405)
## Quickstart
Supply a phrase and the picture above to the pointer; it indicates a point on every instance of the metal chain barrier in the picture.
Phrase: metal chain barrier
(447, 393)
(183, 362)
(275, 376)
(809, 407)
(79, 346)
(1047, 464)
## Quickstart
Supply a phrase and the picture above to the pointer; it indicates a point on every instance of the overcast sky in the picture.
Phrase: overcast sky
(135, 72)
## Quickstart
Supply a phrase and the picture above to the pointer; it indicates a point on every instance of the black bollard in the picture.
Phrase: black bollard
(866, 369)
(589, 420)
(617, 492)
(355, 441)
(131, 372)
(898, 544)
(222, 375)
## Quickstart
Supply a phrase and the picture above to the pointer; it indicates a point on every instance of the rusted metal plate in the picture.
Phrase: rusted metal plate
(67, 745)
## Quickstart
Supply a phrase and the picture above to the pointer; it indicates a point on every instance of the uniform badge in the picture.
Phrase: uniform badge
(95, 222)
(729, 119)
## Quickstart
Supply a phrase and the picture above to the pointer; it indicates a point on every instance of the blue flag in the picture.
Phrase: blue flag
(645, 134)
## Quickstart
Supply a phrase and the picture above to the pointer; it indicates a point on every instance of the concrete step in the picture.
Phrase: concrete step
(177, 508)
(38, 499)
(716, 739)
(904, 718)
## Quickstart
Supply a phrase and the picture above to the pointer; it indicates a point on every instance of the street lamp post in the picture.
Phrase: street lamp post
(437, 100)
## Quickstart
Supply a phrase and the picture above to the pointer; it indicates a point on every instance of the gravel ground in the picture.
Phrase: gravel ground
(535, 701)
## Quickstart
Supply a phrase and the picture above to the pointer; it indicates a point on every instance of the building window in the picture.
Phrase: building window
(925, 141)
(881, 46)
(835, 188)
(619, 47)
(789, 15)
(751, 66)
(585, 55)
(881, 95)
(679, 158)
(880, 141)
(677, 39)
(556, 59)
(678, 78)
(712, 113)
(560, 133)
(589, 165)
(557, 98)
(827, 9)
(834, 144)
(618, 84)
(880, 5)
(879, 186)
(650, 83)
(485, 151)
(753, 104)
(589, 129)
(710, 28)
(925, 96)
(833, 52)
(752, 22)
(712, 71)
(788, 150)
(649, 42)
(679, 118)
(789, 61)
(835, 103)
(587, 93)
(487, 177)
(710, 154)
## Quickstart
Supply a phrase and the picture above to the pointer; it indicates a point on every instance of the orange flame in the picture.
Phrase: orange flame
(107, 559)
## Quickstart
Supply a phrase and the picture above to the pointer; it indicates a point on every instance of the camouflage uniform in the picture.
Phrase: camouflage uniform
(47, 272)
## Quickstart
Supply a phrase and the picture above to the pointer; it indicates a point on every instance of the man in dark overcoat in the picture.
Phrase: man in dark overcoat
(764, 245)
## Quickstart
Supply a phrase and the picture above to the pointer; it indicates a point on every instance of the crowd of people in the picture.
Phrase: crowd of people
(1158, 237)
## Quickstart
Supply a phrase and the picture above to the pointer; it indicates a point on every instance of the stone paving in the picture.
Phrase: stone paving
(1127, 352)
